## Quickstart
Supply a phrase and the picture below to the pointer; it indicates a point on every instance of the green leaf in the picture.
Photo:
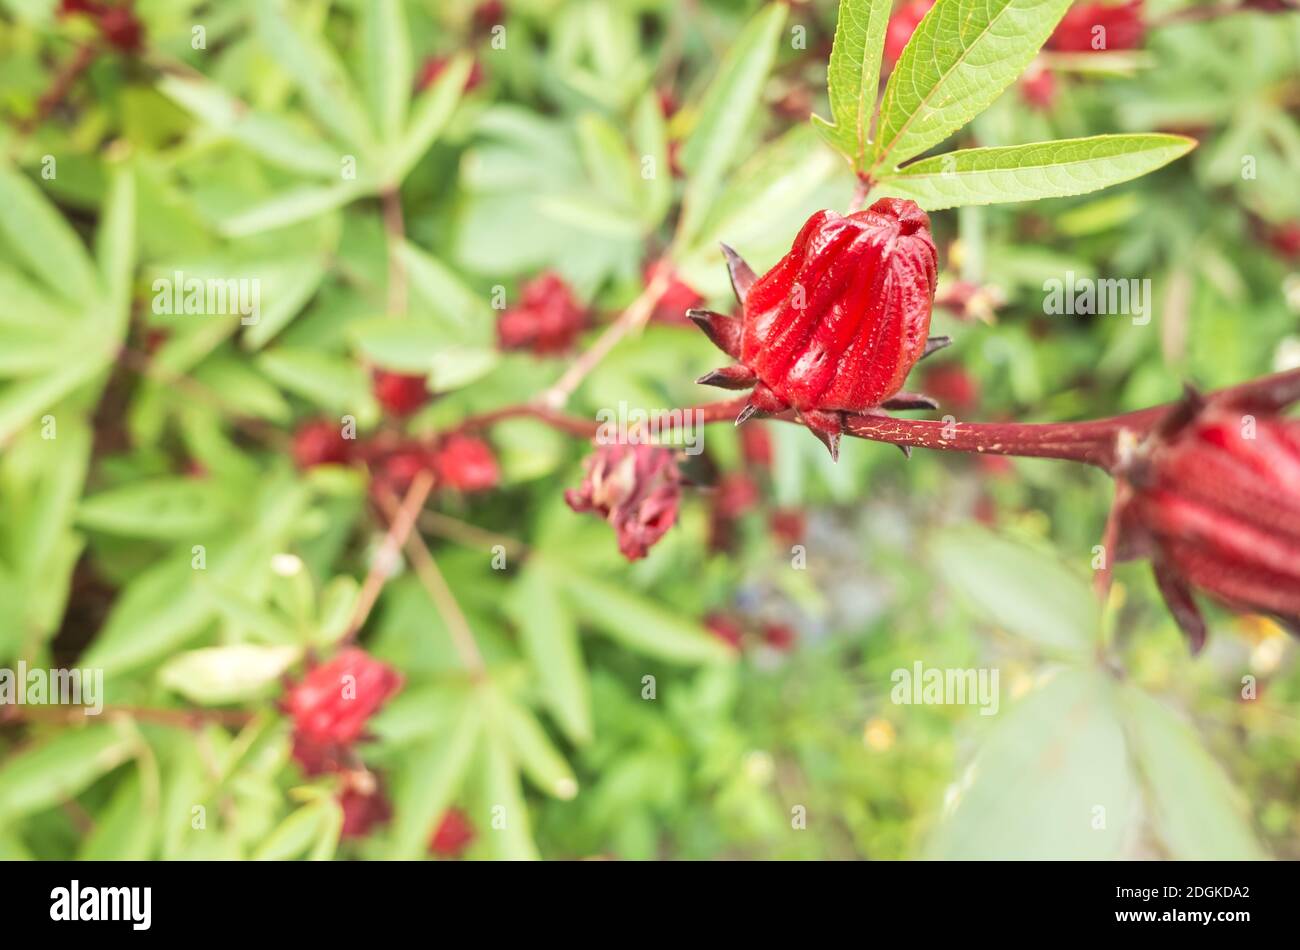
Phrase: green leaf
(125, 830)
(549, 637)
(961, 57)
(23, 401)
(290, 207)
(166, 508)
(331, 382)
(271, 137)
(55, 771)
(853, 78)
(430, 114)
(724, 114)
(115, 248)
(431, 775)
(1198, 815)
(1051, 781)
(388, 72)
(507, 833)
(320, 77)
(230, 674)
(313, 828)
(981, 176)
(638, 622)
(43, 241)
(650, 135)
(1029, 594)
(533, 750)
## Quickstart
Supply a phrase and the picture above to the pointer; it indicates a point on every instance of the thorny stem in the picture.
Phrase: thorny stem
(633, 318)
(398, 530)
(426, 569)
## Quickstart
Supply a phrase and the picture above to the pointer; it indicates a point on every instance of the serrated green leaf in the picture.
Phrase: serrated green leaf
(533, 750)
(724, 114)
(324, 83)
(331, 382)
(853, 78)
(980, 176)
(1198, 815)
(45, 243)
(1016, 587)
(961, 57)
(638, 622)
(550, 640)
(312, 829)
(291, 207)
(168, 508)
(59, 769)
(388, 72)
(430, 776)
(507, 834)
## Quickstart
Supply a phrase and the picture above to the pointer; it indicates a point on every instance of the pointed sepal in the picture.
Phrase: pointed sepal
(742, 275)
(729, 377)
(722, 330)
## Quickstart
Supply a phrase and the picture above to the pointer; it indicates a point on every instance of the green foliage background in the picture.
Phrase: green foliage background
(226, 161)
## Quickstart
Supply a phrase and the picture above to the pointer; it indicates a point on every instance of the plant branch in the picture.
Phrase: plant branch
(398, 530)
(444, 600)
(633, 318)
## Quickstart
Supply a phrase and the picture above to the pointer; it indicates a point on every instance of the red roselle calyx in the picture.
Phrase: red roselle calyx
(636, 488)
(677, 297)
(400, 393)
(901, 27)
(333, 702)
(465, 463)
(1095, 27)
(835, 327)
(1212, 497)
(453, 835)
(320, 442)
(547, 320)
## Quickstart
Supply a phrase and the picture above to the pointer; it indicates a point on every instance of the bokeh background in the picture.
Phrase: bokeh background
(772, 617)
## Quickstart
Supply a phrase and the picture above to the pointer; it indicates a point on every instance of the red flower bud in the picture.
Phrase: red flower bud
(121, 29)
(779, 636)
(756, 445)
(489, 13)
(317, 758)
(838, 323)
(320, 442)
(1284, 239)
(788, 525)
(435, 65)
(901, 27)
(334, 700)
(399, 393)
(465, 463)
(1094, 27)
(547, 320)
(453, 835)
(364, 806)
(636, 488)
(1038, 87)
(394, 470)
(737, 493)
(1213, 498)
(953, 386)
(677, 298)
(725, 628)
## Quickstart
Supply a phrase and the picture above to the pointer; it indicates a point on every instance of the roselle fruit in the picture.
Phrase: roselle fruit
(547, 319)
(453, 835)
(900, 28)
(334, 701)
(636, 488)
(1095, 27)
(837, 324)
(465, 463)
(364, 806)
(400, 394)
(1212, 497)
(320, 442)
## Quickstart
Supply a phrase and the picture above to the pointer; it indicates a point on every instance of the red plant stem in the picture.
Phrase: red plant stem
(1092, 442)
(63, 81)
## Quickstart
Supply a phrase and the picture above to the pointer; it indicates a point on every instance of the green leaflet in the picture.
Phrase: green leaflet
(853, 77)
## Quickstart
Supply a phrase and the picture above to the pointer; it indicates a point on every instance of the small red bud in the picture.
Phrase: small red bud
(1096, 27)
(788, 525)
(636, 488)
(435, 65)
(453, 835)
(779, 636)
(465, 463)
(364, 807)
(1038, 88)
(320, 442)
(333, 701)
(547, 319)
(400, 394)
(725, 628)
(677, 298)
